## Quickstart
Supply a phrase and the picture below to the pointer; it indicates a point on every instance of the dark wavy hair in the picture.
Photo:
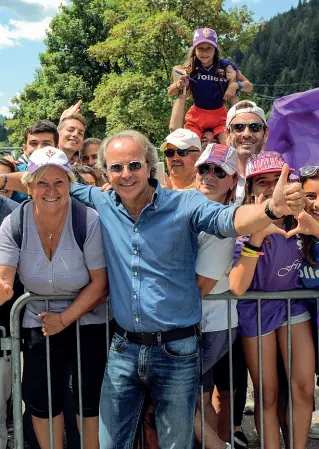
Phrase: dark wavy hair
(307, 240)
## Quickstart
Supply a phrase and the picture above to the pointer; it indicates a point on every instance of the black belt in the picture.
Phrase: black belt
(157, 338)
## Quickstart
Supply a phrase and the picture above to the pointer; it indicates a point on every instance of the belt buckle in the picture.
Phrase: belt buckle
(149, 339)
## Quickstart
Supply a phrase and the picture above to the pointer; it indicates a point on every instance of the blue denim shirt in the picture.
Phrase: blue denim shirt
(151, 261)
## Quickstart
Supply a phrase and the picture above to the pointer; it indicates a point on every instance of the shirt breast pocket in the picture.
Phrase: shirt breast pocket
(32, 264)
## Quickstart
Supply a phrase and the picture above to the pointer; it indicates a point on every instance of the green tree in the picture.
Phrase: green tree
(67, 72)
(146, 39)
(117, 56)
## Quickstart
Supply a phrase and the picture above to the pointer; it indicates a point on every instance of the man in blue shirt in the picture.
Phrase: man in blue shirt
(150, 238)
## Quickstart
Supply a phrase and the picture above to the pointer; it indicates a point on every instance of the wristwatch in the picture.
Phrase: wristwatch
(240, 85)
(270, 214)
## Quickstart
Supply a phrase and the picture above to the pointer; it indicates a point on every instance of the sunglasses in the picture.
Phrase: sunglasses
(133, 166)
(309, 171)
(253, 127)
(182, 153)
(203, 169)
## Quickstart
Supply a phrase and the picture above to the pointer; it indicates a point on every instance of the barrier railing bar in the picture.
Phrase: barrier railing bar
(4, 339)
(260, 375)
(47, 344)
(202, 408)
(290, 406)
(16, 362)
(231, 379)
(78, 357)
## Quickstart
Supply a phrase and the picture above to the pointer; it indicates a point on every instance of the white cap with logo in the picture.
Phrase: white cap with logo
(183, 139)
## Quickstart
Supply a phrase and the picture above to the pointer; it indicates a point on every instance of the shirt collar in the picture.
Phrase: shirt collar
(152, 182)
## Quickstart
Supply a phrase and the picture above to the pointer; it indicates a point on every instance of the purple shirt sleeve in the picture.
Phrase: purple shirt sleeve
(227, 62)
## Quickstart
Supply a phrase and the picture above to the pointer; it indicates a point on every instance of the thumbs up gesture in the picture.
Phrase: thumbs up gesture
(6, 292)
(287, 199)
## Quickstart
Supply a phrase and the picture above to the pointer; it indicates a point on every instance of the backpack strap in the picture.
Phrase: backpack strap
(79, 214)
(16, 222)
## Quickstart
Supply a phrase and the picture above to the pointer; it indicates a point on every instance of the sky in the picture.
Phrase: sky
(22, 31)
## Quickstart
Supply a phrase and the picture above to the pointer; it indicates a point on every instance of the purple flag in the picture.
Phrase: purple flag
(294, 128)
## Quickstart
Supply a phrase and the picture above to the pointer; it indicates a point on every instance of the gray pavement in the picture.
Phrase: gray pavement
(250, 431)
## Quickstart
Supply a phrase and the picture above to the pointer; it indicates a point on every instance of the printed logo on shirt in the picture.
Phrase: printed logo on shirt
(286, 270)
(308, 272)
(202, 76)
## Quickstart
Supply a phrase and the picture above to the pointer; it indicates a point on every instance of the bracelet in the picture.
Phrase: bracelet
(270, 214)
(5, 182)
(251, 252)
(62, 321)
(253, 247)
(243, 253)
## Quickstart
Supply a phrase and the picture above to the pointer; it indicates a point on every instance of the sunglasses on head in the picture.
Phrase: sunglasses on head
(240, 127)
(203, 169)
(309, 171)
(170, 152)
(133, 166)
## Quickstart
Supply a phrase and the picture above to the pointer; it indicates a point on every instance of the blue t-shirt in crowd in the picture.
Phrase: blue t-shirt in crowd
(19, 197)
(209, 85)
(151, 260)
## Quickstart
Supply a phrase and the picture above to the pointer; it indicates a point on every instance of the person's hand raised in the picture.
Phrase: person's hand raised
(287, 199)
(74, 109)
(306, 225)
(168, 183)
(6, 292)
(272, 228)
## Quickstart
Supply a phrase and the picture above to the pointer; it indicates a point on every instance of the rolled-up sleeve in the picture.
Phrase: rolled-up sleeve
(9, 250)
(91, 196)
(210, 217)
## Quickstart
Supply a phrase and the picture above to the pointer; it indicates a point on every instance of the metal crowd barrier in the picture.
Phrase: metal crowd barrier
(14, 344)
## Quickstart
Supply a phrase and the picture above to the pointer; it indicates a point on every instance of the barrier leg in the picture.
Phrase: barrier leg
(260, 376)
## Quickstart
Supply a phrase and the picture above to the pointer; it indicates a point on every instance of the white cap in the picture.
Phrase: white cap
(237, 109)
(183, 139)
(48, 156)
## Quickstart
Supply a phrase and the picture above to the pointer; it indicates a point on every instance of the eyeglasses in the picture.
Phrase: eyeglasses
(133, 166)
(203, 169)
(240, 127)
(309, 171)
(182, 153)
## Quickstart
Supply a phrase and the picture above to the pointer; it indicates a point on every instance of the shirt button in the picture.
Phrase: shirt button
(135, 273)
(135, 229)
(50, 280)
(135, 252)
(134, 296)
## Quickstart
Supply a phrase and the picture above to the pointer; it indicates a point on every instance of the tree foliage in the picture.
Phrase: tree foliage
(284, 56)
(117, 55)
(67, 71)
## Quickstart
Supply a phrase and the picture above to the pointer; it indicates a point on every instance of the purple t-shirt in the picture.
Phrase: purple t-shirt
(277, 270)
(211, 84)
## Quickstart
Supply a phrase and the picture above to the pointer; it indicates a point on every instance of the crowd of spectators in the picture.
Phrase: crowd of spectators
(88, 219)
